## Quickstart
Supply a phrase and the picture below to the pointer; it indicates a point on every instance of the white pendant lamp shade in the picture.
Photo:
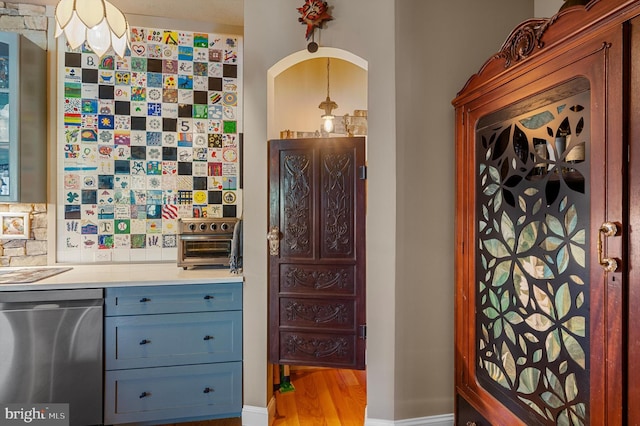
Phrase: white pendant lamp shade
(98, 22)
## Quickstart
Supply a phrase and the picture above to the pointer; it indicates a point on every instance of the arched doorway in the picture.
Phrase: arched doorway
(296, 86)
(299, 81)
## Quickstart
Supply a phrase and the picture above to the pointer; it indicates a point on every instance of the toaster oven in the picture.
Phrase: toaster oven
(205, 241)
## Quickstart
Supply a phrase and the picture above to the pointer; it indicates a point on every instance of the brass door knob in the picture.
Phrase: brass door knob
(274, 241)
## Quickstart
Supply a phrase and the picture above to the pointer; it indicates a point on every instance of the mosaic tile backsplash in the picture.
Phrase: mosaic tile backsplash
(147, 139)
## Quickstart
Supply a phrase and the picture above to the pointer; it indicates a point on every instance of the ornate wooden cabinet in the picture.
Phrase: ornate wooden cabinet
(547, 300)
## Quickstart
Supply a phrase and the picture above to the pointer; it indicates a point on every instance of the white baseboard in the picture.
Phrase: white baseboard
(255, 416)
(442, 420)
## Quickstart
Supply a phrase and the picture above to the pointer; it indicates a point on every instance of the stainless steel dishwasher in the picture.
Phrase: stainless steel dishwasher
(51, 350)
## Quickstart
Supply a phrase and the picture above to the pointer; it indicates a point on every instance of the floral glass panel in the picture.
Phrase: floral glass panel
(532, 316)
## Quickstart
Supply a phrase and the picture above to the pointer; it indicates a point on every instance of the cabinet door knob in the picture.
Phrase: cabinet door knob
(145, 299)
(145, 341)
(144, 394)
(207, 390)
(208, 337)
(207, 297)
(471, 423)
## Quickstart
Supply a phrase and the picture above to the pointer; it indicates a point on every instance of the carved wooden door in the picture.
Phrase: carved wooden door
(317, 252)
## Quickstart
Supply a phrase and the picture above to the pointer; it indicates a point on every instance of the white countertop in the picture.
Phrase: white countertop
(124, 274)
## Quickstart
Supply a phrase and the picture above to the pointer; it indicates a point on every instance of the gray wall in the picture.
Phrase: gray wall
(547, 8)
(439, 45)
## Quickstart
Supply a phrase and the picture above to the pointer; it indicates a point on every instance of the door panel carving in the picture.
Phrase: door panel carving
(297, 213)
(337, 204)
(311, 349)
(319, 278)
(310, 312)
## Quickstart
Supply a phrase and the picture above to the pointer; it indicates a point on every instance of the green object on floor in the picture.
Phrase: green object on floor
(286, 387)
(285, 381)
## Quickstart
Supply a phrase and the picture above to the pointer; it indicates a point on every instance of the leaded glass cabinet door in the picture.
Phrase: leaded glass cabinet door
(532, 210)
(538, 294)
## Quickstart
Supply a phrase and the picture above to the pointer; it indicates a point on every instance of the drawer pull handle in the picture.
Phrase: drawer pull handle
(471, 423)
(144, 395)
(208, 297)
(145, 341)
(209, 337)
(145, 299)
(207, 390)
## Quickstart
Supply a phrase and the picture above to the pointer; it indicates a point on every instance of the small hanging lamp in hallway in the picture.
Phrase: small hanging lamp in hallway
(328, 105)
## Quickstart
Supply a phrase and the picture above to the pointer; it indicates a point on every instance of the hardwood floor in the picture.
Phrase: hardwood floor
(236, 421)
(322, 397)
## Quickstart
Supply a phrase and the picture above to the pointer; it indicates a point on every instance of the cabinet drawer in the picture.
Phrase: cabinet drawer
(173, 298)
(172, 339)
(173, 392)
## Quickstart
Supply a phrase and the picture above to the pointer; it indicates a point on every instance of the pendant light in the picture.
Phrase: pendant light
(328, 105)
(97, 22)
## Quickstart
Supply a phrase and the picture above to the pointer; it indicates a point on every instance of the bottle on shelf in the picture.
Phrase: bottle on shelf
(542, 154)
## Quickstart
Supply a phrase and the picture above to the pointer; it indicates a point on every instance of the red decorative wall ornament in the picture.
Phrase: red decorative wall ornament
(314, 13)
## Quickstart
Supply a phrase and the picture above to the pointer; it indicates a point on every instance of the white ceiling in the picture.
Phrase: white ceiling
(227, 12)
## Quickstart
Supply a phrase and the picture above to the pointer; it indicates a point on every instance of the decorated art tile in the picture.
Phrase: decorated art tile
(148, 139)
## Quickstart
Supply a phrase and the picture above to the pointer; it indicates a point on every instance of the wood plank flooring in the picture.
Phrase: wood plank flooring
(322, 397)
(236, 421)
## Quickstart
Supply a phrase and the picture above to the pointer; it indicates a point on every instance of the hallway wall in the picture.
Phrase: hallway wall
(439, 45)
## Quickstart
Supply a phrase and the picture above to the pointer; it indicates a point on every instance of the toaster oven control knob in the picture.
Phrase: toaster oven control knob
(224, 226)
(192, 227)
(213, 227)
(203, 226)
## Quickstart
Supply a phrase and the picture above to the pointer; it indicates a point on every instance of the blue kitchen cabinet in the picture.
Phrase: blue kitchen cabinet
(173, 353)
(173, 299)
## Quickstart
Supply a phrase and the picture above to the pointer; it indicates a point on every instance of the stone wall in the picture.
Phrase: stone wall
(31, 251)
(27, 19)
(31, 21)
